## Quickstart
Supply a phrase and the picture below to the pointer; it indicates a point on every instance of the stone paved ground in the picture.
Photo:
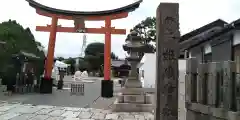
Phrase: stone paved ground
(18, 111)
(61, 106)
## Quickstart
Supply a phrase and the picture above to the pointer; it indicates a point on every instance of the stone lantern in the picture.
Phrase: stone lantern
(132, 97)
(133, 46)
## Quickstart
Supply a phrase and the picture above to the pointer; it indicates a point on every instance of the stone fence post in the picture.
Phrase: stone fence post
(191, 81)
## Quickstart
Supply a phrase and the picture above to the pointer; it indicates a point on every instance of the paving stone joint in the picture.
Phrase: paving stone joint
(19, 111)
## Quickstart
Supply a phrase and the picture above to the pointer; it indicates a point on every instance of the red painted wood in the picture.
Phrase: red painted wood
(51, 47)
(88, 30)
(88, 18)
(107, 51)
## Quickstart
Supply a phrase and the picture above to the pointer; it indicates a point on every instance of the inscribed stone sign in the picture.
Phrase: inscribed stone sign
(168, 54)
(169, 87)
(167, 65)
(168, 72)
(170, 24)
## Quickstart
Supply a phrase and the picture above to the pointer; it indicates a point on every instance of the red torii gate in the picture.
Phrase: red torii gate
(79, 18)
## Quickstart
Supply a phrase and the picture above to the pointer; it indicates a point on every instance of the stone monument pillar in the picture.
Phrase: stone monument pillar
(132, 97)
(168, 36)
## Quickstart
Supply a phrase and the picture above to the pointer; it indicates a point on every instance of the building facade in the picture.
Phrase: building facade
(207, 97)
(214, 42)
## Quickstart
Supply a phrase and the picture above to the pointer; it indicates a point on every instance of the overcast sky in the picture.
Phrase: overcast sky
(193, 14)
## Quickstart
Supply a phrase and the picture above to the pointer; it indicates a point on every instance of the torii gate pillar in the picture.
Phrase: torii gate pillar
(47, 81)
(107, 83)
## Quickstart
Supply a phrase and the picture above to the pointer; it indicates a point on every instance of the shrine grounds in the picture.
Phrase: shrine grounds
(91, 97)
(62, 106)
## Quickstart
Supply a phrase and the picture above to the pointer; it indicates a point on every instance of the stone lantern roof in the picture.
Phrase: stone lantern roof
(133, 36)
(134, 43)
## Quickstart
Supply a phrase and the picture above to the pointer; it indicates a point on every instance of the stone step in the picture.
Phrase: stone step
(143, 99)
(135, 90)
(132, 107)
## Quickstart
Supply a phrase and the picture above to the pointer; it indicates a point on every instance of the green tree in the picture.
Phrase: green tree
(83, 65)
(60, 58)
(94, 55)
(147, 29)
(71, 62)
(17, 39)
(94, 49)
(114, 56)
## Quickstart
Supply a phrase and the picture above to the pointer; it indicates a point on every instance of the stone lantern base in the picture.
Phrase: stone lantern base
(132, 98)
(133, 83)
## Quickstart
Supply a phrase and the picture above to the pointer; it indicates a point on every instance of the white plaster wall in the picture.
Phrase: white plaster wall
(181, 90)
(140, 75)
(149, 68)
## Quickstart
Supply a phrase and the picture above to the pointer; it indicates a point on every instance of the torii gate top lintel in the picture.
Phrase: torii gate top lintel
(88, 18)
(80, 17)
(117, 13)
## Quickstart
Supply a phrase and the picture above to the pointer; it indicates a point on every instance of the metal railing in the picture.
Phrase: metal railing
(77, 89)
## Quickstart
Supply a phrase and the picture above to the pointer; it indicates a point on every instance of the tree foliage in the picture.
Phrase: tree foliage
(83, 65)
(93, 59)
(94, 49)
(114, 56)
(94, 55)
(60, 58)
(17, 39)
(147, 29)
(71, 62)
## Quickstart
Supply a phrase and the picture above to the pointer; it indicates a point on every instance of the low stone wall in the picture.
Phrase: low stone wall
(196, 111)
(212, 90)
